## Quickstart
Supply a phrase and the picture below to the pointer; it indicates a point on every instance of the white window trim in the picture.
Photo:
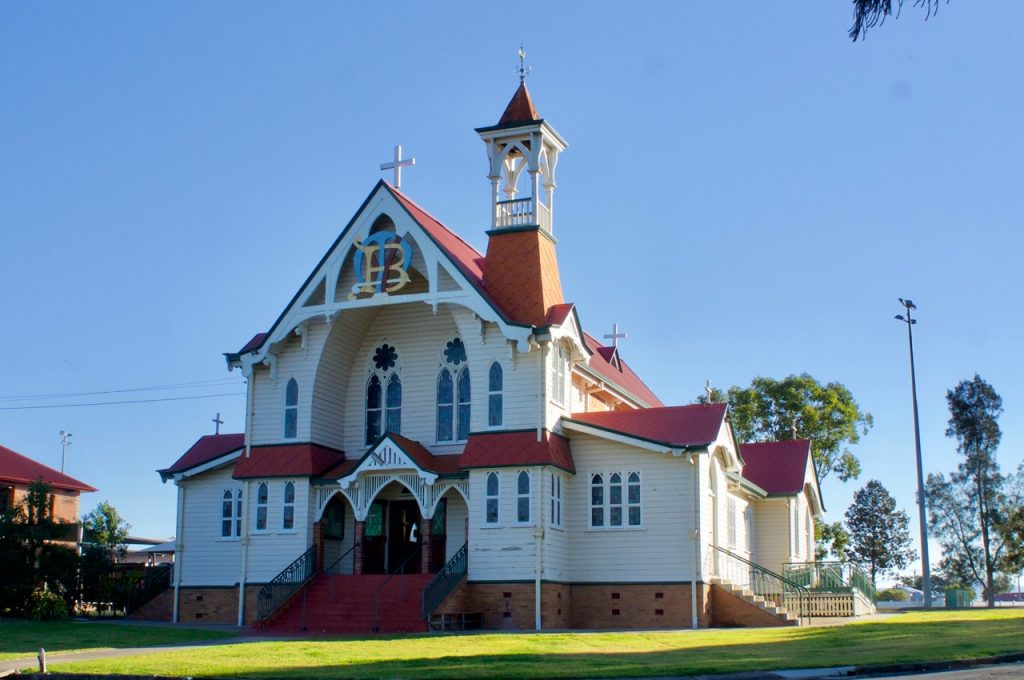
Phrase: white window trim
(528, 496)
(606, 504)
(235, 517)
(490, 393)
(256, 510)
(496, 497)
(292, 505)
(291, 407)
(556, 501)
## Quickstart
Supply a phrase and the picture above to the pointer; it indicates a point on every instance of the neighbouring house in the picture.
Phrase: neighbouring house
(17, 471)
(432, 436)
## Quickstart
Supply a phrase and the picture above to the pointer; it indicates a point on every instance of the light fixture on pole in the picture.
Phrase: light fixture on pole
(65, 442)
(926, 571)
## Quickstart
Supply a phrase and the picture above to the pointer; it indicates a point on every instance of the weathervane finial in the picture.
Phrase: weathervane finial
(523, 69)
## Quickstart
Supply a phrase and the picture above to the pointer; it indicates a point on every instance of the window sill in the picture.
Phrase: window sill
(628, 528)
(227, 539)
(491, 526)
(287, 531)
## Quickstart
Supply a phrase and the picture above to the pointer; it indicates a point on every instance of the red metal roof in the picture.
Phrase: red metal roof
(503, 449)
(443, 465)
(256, 341)
(520, 109)
(777, 467)
(207, 448)
(287, 460)
(624, 378)
(559, 313)
(675, 426)
(20, 469)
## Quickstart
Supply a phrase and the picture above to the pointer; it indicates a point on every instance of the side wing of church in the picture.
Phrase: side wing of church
(431, 435)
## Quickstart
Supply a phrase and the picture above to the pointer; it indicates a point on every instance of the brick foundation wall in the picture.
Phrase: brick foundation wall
(216, 604)
(732, 611)
(637, 606)
(510, 606)
(160, 608)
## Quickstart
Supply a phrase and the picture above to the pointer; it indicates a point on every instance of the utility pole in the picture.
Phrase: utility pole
(65, 442)
(926, 570)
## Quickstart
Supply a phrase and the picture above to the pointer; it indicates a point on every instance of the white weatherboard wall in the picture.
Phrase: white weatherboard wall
(557, 543)
(207, 558)
(771, 517)
(272, 550)
(659, 551)
(505, 551)
(455, 523)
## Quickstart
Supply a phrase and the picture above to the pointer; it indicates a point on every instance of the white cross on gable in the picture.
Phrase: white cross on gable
(397, 165)
(615, 335)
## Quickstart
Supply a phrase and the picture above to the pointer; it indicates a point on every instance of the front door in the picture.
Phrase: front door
(404, 536)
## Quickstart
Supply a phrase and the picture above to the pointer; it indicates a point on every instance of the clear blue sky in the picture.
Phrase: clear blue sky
(746, 193)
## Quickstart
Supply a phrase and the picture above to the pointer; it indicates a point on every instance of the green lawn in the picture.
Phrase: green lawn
(902, 638)
(24, 638)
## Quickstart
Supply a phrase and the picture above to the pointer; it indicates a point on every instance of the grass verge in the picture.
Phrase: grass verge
(24, 638)
(904, 638)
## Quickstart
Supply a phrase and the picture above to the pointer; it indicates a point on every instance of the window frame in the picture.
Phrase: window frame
(495, 395)
(492, 497)
(605, 504)
(287, 505)
(231, 500)
(291, 409)
(556, 501)
(730, 520)
(262, 506)
(520, 497)
(558, 361)
(445, 372)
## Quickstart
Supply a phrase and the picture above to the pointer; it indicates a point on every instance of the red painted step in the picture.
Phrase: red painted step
(345, 604)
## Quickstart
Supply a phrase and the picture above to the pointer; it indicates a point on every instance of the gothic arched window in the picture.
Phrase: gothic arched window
(393, 405)
(495, 397)
(291, 410)
(383, 394)
(288, 507)
(262, 502)
(454, 394)
(493, 491)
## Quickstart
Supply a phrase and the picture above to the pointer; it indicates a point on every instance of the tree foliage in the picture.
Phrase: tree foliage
(966, 508)
(879, 533)
(34, 554)
(831, 540)
(870, 13)
(800, 407)
(105, 534)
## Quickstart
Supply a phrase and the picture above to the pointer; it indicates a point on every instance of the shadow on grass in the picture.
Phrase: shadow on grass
(24, 638)
(549, 656)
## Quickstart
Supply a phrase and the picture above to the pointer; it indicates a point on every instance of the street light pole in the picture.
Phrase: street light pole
(64, 444)
(926, 570)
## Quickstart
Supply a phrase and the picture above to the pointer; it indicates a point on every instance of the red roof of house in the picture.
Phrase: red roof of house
(625, 378)
(256, 341)
(501, 449)
(676, 426)
(777, 467)
(207, 448)
(20, 469)
(520, 109)
(287, 460)
(559, 313)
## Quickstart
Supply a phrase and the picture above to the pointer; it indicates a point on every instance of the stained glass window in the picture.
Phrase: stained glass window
(597, 501)
(374, 521)
(262, 498)
(394, 404)
(445, 405)
(291, 409)
(615, 500)
(523, 497)
(225, 515)
(634, 499)
(495, 385)
(288, 509)
(493, 488)
(385, 357)
(464, 402)
(373, 409)
(455, 351)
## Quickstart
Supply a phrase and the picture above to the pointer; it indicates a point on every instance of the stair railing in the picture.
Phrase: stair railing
(831, 577)
(444, 581)
(764, 583)
(397, 571)
(280, 589)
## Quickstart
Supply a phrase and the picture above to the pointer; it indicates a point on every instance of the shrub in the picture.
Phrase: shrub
(46, 605)
(894, 595)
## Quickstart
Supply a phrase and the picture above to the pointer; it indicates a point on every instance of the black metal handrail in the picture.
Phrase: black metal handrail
(444, 581)
(335, 563)
(397, 571)
(766, 584)
(273, 595)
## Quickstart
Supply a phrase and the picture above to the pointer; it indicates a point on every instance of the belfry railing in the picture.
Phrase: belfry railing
(275, 594)
(444, 581)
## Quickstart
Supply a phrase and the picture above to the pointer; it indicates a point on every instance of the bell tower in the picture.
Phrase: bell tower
(521, 270)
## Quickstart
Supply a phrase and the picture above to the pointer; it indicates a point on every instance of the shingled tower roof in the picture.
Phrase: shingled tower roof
(520, 109)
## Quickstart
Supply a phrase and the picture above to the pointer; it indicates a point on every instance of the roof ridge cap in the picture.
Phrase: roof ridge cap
(399, 194)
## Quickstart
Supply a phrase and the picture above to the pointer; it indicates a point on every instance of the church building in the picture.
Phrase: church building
(433, 438)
